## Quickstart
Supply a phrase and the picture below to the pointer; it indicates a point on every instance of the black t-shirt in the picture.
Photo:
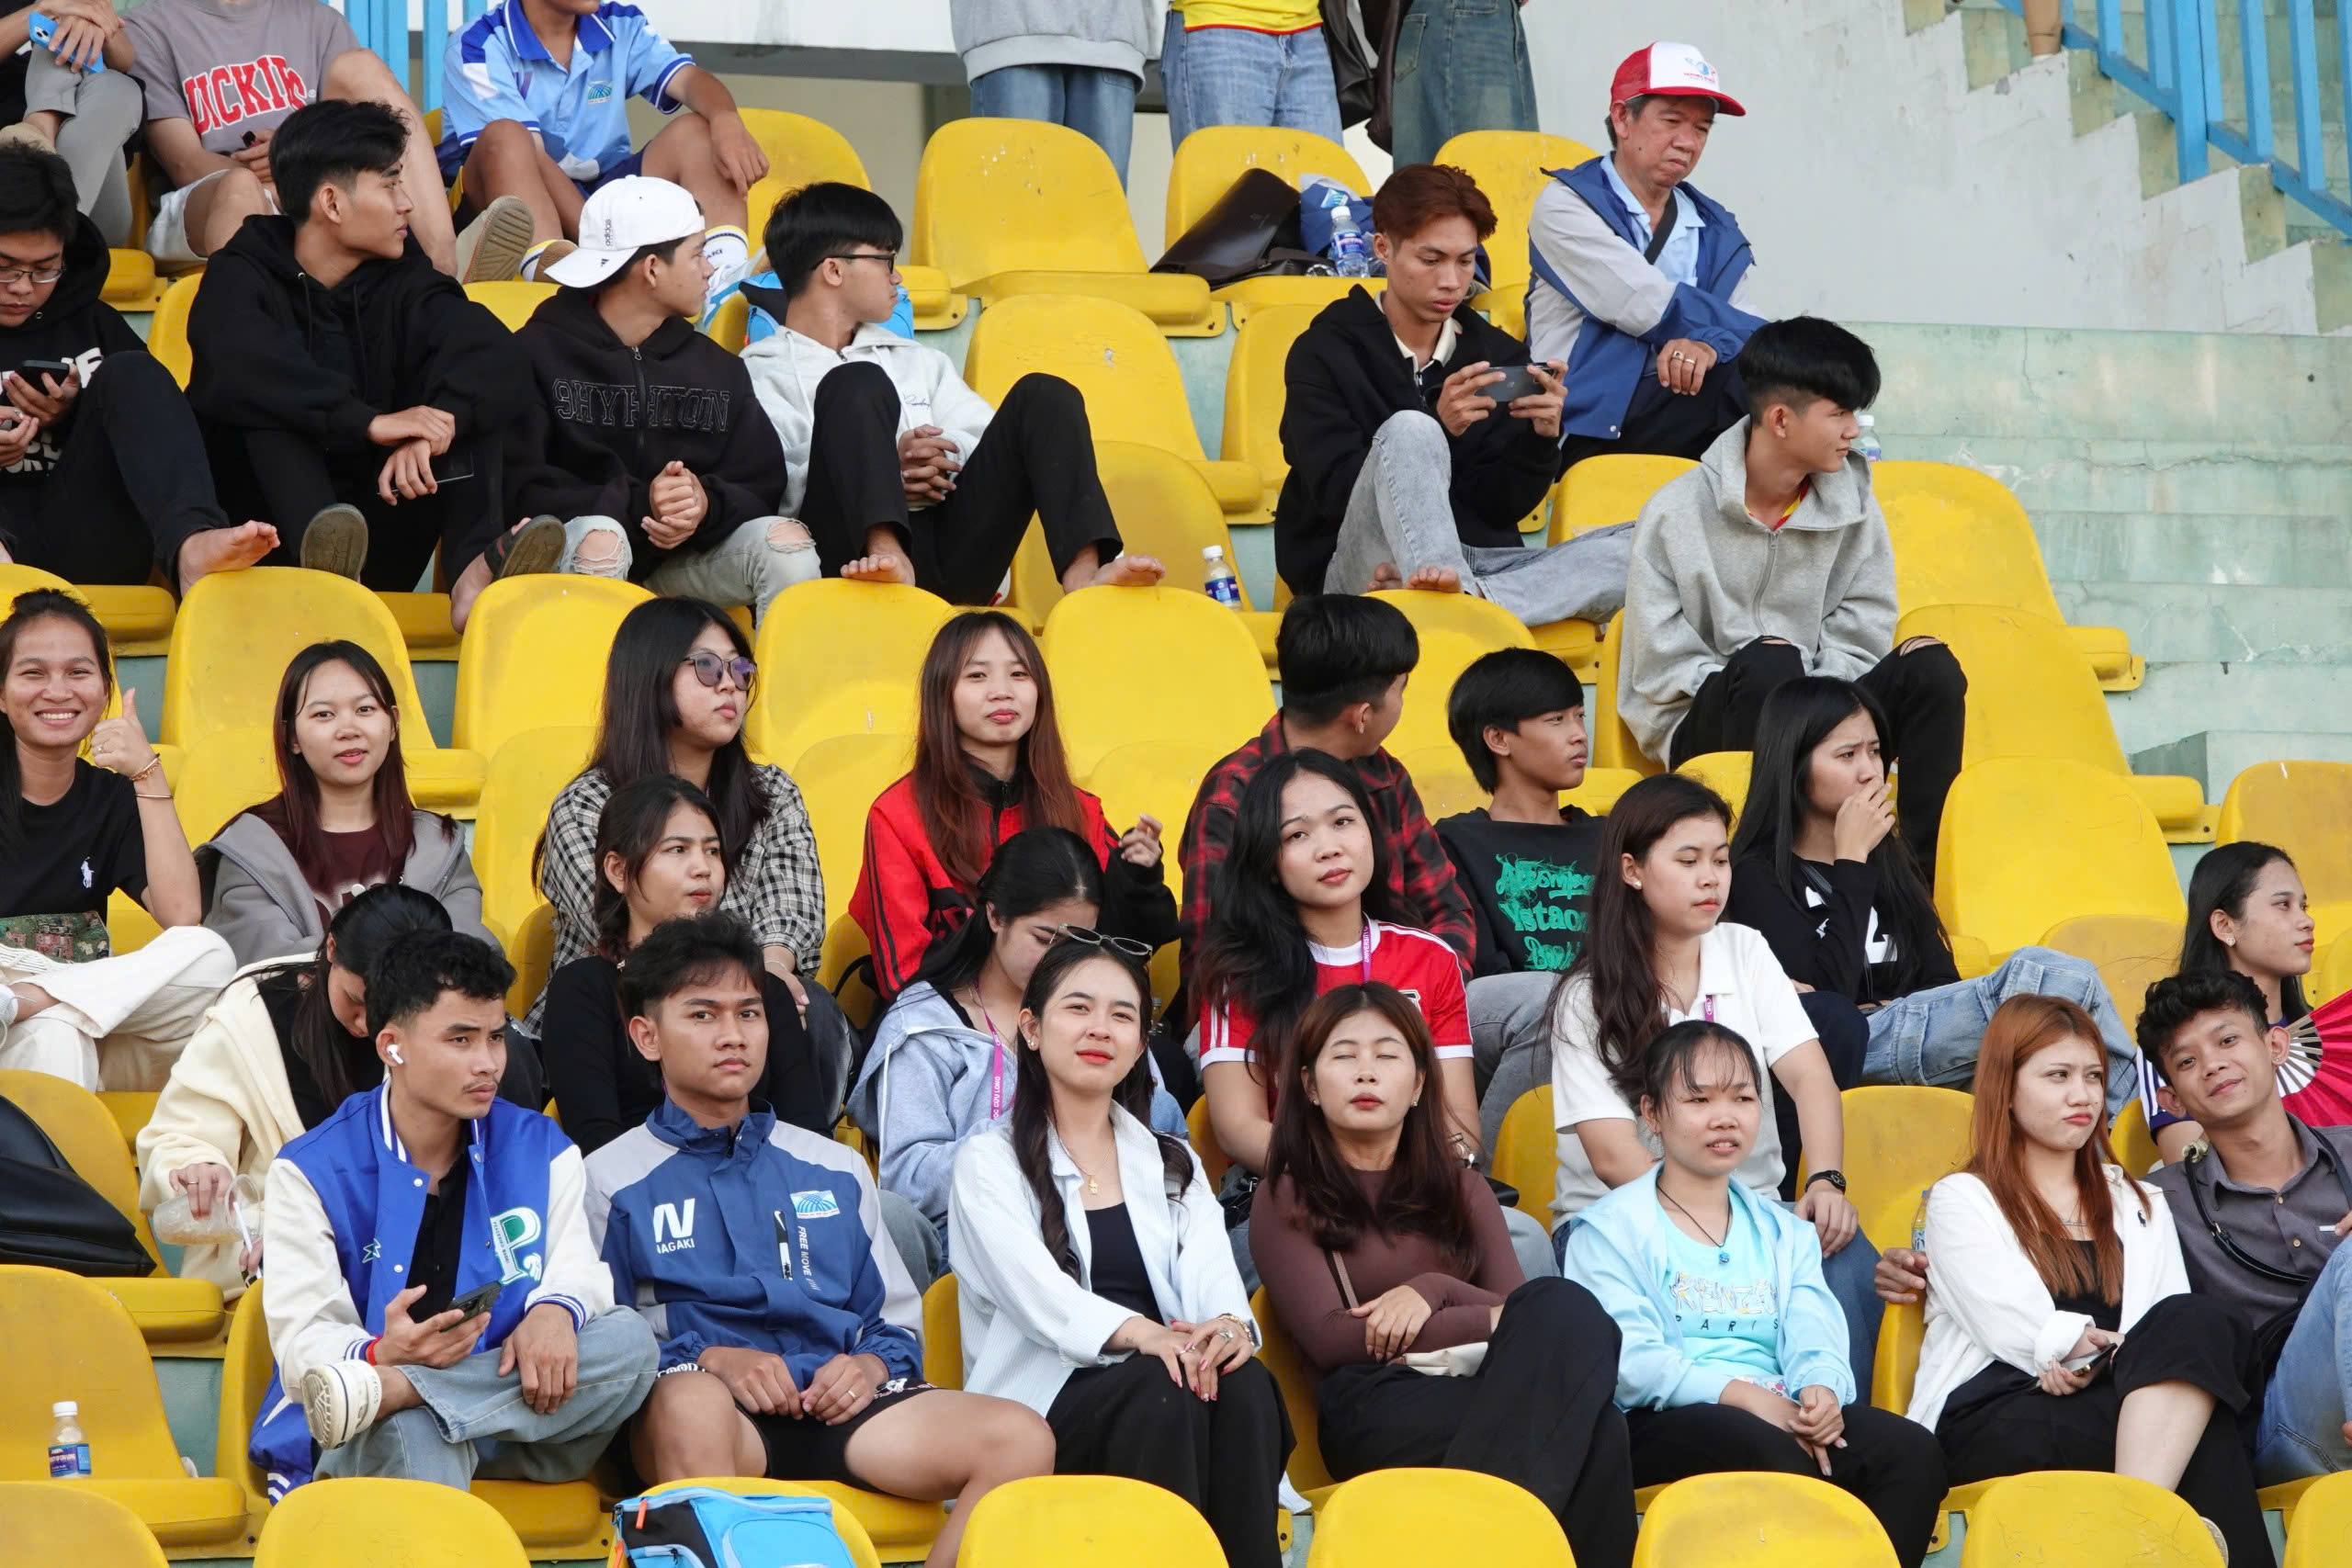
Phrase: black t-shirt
(75, 852)
(440, 1239)
(281, 997)
(604, 1085)
(1119, 1276)
(11, 70)
(1530, 884)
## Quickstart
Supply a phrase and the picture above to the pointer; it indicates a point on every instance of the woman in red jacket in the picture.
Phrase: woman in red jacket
(989, 762)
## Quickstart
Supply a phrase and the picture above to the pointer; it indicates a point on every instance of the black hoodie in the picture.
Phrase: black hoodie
(606, 419)
(1344, 377)
(75, 325)
(264, 335)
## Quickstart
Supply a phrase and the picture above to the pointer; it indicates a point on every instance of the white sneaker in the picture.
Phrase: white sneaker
(340, 1400)
(2220, 1541)
(493, 246)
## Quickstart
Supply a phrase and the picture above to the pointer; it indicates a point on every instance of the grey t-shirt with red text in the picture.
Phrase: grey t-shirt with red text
(232, 66)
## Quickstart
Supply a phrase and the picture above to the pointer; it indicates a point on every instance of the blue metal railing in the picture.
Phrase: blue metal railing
(383, 26)
(2183, 75)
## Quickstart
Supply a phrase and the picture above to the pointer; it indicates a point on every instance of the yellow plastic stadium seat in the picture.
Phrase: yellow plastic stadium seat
(1443, 780)
(2030, 695)
(1527, 1153)
(2305, 809)
(2132, 955)
(1008, 207)
(512, 300)
(237, 631)
(1151, 664)
(2080, 1518)
(1613, 745)
(2028, 841)
(1600, 789)
(535, 653)
(1961, 537)
(2319, 1519)
(1118, 361)
(1612, 487)
(1201, 1134)
(845, 656)
(167, 1311)
(1158, 778)
(801, 152)
(131, 1110)
(840, 779)
(1087, 1521)
(1296, 1382)
(225, 773)
(850, 1506)
(2134, 1146)
(375, 1522)
(1454, 629)
(44, 1522)
(1403, 1518)
(943, 1334)
(130, 281)
(1510, 168)
(1746, 1519)
(76, 1341)
(2332, 977)
(423, 620)
(1255, 390)
(1214, 156)
(1726, 772)
(730, 325)
(133, 614)
(526, 774)
(167, 328)
(1900, 1140)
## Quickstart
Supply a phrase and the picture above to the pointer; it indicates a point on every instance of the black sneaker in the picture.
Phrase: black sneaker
(336, 540)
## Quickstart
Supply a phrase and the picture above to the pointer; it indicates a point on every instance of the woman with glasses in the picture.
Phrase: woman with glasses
(988, 763)
(677, 688)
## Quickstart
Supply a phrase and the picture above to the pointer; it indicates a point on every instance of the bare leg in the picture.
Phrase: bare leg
(945, 1444)
(218, 208)
(223, 549)
(49, 122)
(682, 154)
(507, 160)
(399, 1392)
(689, 1426)
(357, 75)
(1089, 570)
(2158, 1430)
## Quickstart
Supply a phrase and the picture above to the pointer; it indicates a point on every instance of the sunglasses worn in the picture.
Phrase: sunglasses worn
(1093, 938)
(710, 668)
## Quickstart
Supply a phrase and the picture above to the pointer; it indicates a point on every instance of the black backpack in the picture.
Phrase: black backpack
(49, 1217)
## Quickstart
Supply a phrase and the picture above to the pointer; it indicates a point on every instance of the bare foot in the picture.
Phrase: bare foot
(224, 549)
(1384, 577)
(883, 566)
(1435, 579)
(1127, 571)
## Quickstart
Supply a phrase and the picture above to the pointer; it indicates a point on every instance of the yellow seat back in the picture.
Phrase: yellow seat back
(1158, 778)
(2321, 1524)
(2028, 841)
(846, 1521)
(995, 195)
(1455, 630)
(1443, 780)
(2030, 692)
(846, 658)
(840, 779)
(246, 1366)
(1201, 1134)
(1726, 772)
(943, 1334)
(16, 580)
(1900, 1140)
(1749, 1519)
(89, 1137)
(1163, 507)
(2080, 1518)
(1152, 665)
(1612, 487)
(2134, 1146)
(1961, 537)
(1110, 352)
(2133, 953)
(77, 1342)
(1510, 168)
(44, 1522)
(730, 326)
(1255, 390)
(238, 630)
(1295, 1379)
(1405, 1519)
(1083, 1521)
(377, 1522)
(526, 775)
(1527, 1153)
(512, 300)
(1214, 156)
(801, 152)
(1613, 745)
(2305, 809)
(533, 655)
(167, 328)
(225, 773)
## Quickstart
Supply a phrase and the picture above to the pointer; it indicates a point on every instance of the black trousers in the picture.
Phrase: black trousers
(1891, 1465)
(1670, 424)
(1923, 694)
(1845, 1037)
(1541, 1414)
(2000, 1422)
(1223, 1456)
(128, 487)
(1036, 458)
(286, 479)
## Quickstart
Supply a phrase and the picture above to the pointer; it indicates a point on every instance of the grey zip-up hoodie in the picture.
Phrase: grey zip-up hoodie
(1111, 35)
(1707, 579)
(255, 897)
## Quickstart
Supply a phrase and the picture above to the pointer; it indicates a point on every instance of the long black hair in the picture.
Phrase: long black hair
(358, 935)
(1254, 953)
(1422, 1194)
(1034, 869)
(1796, 718)
(1033, 1099)
(1618, 961)
(2223, 883)
(630, 827)
(36, 605)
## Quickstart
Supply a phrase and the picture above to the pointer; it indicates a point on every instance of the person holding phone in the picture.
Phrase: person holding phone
(2062, 1333)
(1419, 437)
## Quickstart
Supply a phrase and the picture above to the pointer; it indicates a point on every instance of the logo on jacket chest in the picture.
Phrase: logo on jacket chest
(511, 1231)
(673, 1227)
(617, 405)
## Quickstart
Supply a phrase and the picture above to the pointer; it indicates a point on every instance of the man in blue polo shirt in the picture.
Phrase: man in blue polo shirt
(537, 109)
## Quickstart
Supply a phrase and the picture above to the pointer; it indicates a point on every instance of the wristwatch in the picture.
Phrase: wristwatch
(1835, 1177)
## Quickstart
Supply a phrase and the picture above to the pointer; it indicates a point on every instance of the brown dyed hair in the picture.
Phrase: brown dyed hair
(955, 817)
(1419, 194)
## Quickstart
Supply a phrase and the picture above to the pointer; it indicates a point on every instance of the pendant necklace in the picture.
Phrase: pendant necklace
(1722, 1250)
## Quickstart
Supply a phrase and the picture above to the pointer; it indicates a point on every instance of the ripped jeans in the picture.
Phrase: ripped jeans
(760, 560)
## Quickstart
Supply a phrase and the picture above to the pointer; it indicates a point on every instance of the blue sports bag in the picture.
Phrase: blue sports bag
(703, 1526)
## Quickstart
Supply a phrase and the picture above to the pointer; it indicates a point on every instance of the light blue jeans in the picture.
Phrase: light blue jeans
(1932, 1036)
(760, 560)
(1097, 104)
(1235, 77)
(1460, 65)
(2301, 1431)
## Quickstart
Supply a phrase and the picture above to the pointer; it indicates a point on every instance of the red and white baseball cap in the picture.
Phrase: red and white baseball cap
(1671, 69)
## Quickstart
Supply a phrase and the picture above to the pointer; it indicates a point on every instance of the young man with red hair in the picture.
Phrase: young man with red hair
(1406, 468)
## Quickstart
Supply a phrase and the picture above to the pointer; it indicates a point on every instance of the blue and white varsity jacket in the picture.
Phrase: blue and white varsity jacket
(765, 1237)
(1593, 301)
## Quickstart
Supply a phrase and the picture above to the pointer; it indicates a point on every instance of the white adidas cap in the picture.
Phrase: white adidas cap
(622, 217)
(1670, 69)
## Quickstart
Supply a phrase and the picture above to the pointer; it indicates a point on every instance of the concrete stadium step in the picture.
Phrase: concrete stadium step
(2302, 701)
(2182, 546)
(2189, 623)
(2213, 476)
(2217, 756)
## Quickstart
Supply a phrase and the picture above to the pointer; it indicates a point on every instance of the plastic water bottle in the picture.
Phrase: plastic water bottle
(1867, 442)
(69, 1450)
(1351, 253)
(1216, 577)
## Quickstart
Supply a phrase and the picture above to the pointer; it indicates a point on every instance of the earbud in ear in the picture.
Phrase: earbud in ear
(394, 1053)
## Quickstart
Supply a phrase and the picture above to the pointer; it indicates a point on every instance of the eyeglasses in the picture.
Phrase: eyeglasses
(710, 668)
(888, 258)
(30, 275)
(1093, 938)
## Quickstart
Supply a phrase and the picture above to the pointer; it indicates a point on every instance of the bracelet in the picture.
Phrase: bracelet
(367, 1353)
(154, 762)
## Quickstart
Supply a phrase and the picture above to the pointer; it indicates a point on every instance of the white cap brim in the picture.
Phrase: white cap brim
(585, 268)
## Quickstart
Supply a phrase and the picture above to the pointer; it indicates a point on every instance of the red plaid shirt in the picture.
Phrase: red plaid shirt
(1420, 874)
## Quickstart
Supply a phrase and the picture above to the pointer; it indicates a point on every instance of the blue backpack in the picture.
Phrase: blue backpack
(703, 1526)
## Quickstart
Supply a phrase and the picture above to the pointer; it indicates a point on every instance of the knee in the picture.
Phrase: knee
(1772, 655)
(859, 384)
(503, 140)
(357, 74)
(1015, 1437)
(1054, 397)
(1412, 434)
(239, 189)
(597, 547)
(203, 954)
(130, 370)
(1566, 1314)
(787, 536)
(1248, 1386)
(1929, 667)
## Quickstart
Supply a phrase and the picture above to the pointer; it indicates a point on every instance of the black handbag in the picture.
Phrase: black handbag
(1253, 231)
(50, 1218)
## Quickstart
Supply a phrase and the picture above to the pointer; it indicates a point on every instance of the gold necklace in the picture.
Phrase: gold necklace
(1092, 1186)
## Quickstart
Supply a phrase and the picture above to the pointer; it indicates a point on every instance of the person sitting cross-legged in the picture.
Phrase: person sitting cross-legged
(788, 1327)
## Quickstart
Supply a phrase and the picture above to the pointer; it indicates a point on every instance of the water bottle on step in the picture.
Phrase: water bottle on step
(69, 1450)
(1216, 577)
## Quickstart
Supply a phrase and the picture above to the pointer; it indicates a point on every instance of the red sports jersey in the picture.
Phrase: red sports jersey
(1419, 965)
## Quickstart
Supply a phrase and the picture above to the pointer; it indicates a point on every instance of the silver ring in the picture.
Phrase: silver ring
(1226, 1335)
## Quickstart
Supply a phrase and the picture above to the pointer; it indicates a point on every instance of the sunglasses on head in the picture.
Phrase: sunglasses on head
(710, 668)
(1093, 938)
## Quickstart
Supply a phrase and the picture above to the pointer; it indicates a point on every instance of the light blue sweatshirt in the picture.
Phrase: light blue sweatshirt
(1618, 1250)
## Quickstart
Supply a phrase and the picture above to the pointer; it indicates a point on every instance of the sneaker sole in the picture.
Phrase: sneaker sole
(506, 237)
(336, 541)
(534, 549)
